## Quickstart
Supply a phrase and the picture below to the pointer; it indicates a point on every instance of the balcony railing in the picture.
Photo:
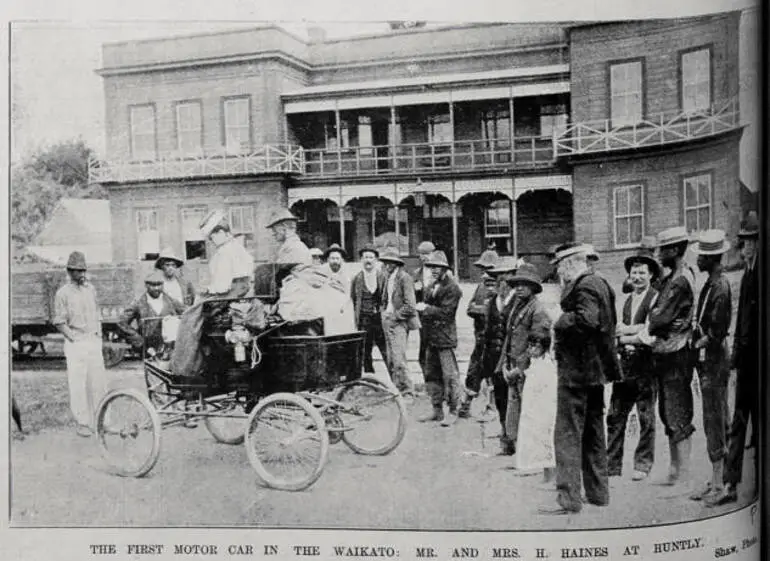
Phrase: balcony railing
(526, 153)
(664, 128)
(266, 159)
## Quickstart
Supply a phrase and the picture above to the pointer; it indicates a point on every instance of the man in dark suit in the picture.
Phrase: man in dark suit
(422, 279)
(637, 386)
(586, 360)
(399, 317)
(134, 322)
(745, 359)
(366, 292)
(439, 311)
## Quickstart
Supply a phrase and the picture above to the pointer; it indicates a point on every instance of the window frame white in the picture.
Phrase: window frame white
(497, 205)
(698, 206)
(183, 131)
(628, 93)
(142, 217)
(151, 131)
(247, 236)
(193, 234)
(690, 80)
(244, 146)
(628, 215)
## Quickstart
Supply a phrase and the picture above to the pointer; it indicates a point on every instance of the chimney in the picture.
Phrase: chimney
(316, 34)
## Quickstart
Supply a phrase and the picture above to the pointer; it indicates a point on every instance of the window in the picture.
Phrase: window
(147, 234)
(696, 80)
(237, 127)
(142, 126)
(553, 119)
(242, 224)
(194, 243)
(629, 215)
(496, 125)
(497, 223)
(188, 127)
(626, 93)
(384, 228)
(330, 131)
(697, 202)
(439, 129)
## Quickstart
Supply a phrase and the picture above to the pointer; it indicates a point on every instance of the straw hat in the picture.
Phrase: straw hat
(279, 216)
(167, 255)
(390, 254)
(750, 227)
(426, 247)
(568, 249)
(316, 252)
(526, 274)
(437, 259)
(672, 236)
(488, 259)
(77, 261)
(712, 242)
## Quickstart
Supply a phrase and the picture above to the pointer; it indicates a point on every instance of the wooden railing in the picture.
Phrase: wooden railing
(526, 153)
(265, 159)
(664, 128)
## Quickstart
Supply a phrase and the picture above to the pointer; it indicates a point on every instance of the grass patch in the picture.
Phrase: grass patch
(43, 400)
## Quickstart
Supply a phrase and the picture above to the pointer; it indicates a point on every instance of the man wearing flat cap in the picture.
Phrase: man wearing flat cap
(292, 250)
(712, 322)
(439, 316)
(175, 286)
(366, 292)
(141, 321)
(745, 359)
(670, 322)
(586, 358)
(637, 388)
(76, 316)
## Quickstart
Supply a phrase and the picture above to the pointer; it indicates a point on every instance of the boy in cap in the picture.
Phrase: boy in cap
(175, 286)
(76, 316)
(366, 292)
(153, 303)
(712, 322)
(438, 311)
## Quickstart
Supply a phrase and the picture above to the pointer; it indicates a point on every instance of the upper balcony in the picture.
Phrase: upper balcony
(593, 137)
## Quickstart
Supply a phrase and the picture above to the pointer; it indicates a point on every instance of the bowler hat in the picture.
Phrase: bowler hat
(712, 242)
(505, 264)
(526, 274)
(568, 249)
(426, 247)
(673, 236)
(279, 216)
(167, 254)
(390, 254)
(155, 277)
(370, 248)
(643, 256)
(77, 261)
(488, 259)
(335, 248)
(213, 219)
(750, 227)
(437, 259)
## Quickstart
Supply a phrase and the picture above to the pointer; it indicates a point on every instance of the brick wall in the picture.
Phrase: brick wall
(659, 42)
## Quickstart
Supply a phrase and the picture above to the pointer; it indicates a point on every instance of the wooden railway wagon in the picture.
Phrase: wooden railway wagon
(33, 288)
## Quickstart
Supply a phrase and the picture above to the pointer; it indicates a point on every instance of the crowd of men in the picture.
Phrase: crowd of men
(666, 333)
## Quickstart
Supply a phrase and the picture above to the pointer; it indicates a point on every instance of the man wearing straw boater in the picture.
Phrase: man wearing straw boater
(670, 322)
(712, 322)
(745, 359)
(438, 312)
(586, 360)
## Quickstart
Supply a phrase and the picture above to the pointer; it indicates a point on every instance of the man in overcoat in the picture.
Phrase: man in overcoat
(439, 317)
(399, 317)
(366, 292)
(745, 359)
(422, 279)
(586, 359)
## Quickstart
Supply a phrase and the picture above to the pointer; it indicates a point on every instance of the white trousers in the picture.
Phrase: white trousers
(87, 378)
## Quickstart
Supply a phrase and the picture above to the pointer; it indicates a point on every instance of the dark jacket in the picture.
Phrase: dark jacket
(586, 353)
(745, 345)
(714, 312)
(439, 319)
(495, 326)
(477, 307)
(403, 299)
(149, 332)
(357, 286)
(636, 359)
(419, 290)
(526, 318)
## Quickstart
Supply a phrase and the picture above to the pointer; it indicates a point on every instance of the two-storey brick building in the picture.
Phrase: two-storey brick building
(519, 135)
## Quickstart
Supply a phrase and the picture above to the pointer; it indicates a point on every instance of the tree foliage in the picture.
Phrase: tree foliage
(40, 181)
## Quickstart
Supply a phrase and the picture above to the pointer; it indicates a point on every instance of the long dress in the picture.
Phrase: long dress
(534, 447)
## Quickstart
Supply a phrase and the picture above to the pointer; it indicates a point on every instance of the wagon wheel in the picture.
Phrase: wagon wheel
(286, 442)
(112, 355)
(229, 427)
(157, 390)
(128, 432)
(373, 415)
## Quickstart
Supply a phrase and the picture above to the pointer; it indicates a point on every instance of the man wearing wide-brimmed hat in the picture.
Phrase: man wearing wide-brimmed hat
(76, 316)
(586, 359)
(438, 314)
(637, 388)
(174, 284)
(399, 316)
(712, 322)
(334, 267)
(292, 249)
(527, 317)
(646, 247)
(745, 359)
(140, 321)
(477, 310)
(670, 322)
(366, 291)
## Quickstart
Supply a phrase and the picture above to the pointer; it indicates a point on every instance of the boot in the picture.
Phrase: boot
(436, 415)
(465, 408)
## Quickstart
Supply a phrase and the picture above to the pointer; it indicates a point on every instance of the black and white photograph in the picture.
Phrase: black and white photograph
(491, 274)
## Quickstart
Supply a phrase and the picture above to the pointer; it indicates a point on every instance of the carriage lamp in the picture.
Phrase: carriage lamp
(238, 336)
